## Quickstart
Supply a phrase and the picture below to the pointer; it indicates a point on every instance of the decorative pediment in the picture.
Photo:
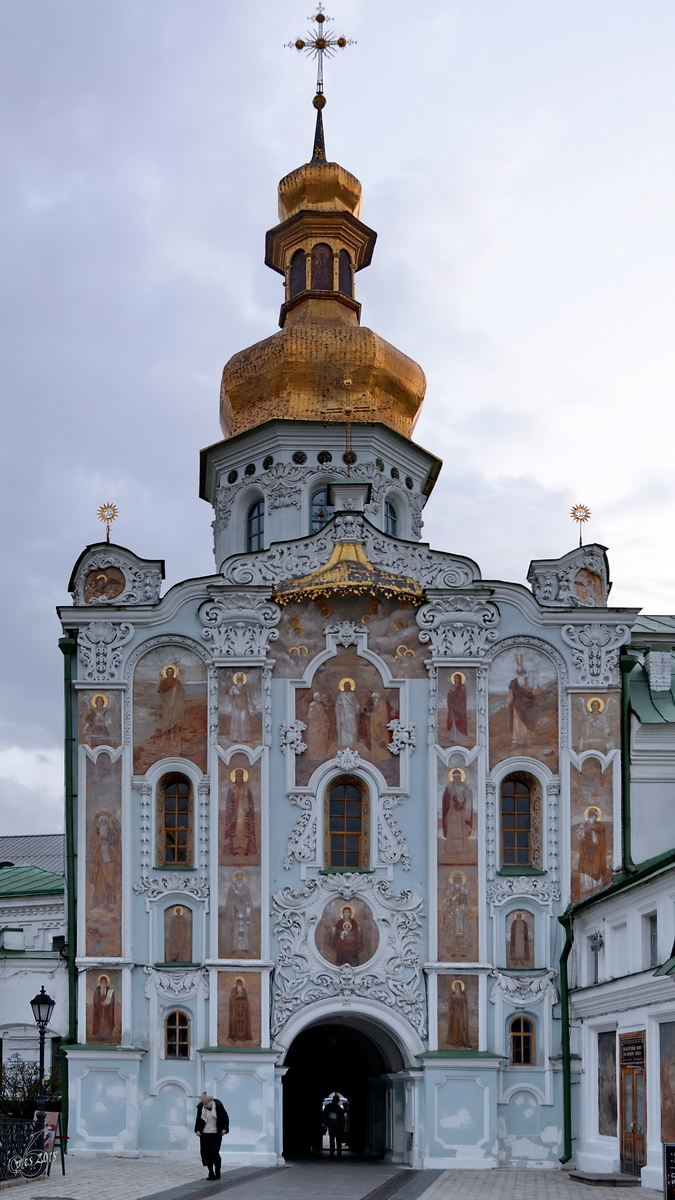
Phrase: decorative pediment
(289, 560)
(106, 574)
(522, 991)
(579, 579)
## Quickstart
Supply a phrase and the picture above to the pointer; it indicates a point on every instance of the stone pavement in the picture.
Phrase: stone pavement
(105, 1178)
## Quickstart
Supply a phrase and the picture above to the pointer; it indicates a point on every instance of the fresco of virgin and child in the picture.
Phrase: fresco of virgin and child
(523, 707)
(347, 706)
(169, 707)
(347, 934)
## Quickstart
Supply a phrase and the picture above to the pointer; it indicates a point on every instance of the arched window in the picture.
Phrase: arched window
(521, 821)
(345, 274)
(175, 811)
(322, 268)
(522, 1042)
(320, 511)
(177, 1035)
(298, 278)
(255, 526)
(390, 519)
(346, 823)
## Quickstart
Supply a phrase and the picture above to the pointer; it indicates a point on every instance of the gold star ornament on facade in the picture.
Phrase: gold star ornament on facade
(580, 513)
(107, 514)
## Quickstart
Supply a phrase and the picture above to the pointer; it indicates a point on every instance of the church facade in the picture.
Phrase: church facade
(329, 802)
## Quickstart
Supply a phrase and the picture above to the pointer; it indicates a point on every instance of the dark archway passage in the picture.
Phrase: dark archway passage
(336, 1057)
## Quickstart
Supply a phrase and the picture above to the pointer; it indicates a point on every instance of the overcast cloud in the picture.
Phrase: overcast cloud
(517, 162)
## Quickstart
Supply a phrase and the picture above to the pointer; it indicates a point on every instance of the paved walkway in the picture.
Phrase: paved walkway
(104, 1178)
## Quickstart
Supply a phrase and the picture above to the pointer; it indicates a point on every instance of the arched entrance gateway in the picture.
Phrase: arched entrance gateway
(354, 1055)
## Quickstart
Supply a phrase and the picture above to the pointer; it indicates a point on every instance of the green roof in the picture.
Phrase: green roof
(29, 881)
(650, 708)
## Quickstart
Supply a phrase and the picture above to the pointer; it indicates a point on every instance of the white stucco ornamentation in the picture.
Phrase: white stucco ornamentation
(401, 736)
(100, 648)
(159, 885)
(142, 580)
(595, 650)
(524, 990)
(458, 626)
(522, 885)
(431, 568)
(302, 841)
(392, 845)
(176, 985)
(577, 580)
(290, 737)
(345, 633)
(347, 759)
(239, 625)
(392, 977)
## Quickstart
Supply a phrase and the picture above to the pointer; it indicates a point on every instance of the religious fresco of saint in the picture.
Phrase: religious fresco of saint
(105, 583)
(239, 812)
(592, 824)
(458, 914)
(99, 721)
(240, 707)
(104, 857)
(456, 707)
(457, 1012)
(457, 813)
(524, 707)
(347, 933)
(178, 934)
(519, 928)
(347, 705)
(239, 1022)
(169, 707)
(104, 1006)
(596, 722)
(392, 633)
(239, 912)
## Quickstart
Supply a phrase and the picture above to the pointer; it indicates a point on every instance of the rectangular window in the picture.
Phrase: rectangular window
(607, 1106)
(346, 825)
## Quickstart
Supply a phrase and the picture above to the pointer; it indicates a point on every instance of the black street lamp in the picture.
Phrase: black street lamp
(43, 1007)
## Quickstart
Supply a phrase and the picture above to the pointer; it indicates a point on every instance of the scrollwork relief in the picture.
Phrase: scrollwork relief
(402, 736)
(523, 885)
(290, 737)
(302, 841)
(391, 843)
(100, 646)
(392, 977)
(524, 990)
(142, 580)
(239, 625)
(458, 626)
(176, 984)
(595, 650)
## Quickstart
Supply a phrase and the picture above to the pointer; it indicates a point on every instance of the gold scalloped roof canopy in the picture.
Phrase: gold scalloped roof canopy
(349, 572)
(322, 364)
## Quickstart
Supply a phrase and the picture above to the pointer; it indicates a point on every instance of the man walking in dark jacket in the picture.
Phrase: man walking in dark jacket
(334, 1120)
(211, 1123)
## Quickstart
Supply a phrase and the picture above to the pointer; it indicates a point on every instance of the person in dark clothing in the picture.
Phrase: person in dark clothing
(334, 1120)
(211, 1123)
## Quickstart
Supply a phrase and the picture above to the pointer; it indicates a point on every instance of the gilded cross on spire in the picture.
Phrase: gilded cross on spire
(319, 43)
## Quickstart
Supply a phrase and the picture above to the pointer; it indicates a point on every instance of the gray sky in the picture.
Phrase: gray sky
(516, 159)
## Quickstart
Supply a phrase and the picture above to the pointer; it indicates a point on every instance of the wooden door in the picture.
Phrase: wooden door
(633, 1103)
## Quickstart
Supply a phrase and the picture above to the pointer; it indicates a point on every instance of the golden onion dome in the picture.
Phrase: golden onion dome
(322, 365)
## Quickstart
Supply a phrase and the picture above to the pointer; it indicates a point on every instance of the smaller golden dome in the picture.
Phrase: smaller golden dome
(321, 186)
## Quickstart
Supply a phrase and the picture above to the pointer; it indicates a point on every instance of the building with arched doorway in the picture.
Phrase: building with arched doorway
(327, 803)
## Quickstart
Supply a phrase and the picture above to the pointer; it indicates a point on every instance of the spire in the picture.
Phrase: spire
(319, 150)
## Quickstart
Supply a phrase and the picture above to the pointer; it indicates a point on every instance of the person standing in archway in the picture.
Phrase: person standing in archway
(334, 1120)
